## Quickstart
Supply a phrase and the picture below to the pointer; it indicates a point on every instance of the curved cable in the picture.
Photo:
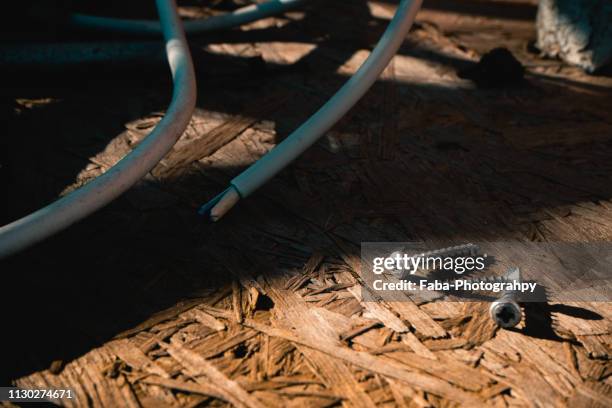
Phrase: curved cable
(100, 191)
(238, 17)
(319, 123)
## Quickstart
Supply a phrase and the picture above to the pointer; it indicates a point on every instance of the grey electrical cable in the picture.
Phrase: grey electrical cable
(238, 17)
(100, 191)
(311, 130)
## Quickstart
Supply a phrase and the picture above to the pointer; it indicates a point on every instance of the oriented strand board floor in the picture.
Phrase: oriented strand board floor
(145, 305)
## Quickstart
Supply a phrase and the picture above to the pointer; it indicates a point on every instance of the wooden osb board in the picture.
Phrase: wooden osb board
(262, 308)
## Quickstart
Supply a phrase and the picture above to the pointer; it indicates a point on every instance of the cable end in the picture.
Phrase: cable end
(221, 204)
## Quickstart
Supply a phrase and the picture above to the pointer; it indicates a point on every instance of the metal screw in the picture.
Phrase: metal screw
(458, 250)
(449, 252)
(505, 311)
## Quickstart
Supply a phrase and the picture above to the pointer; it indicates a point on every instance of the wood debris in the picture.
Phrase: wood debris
(266, 307)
